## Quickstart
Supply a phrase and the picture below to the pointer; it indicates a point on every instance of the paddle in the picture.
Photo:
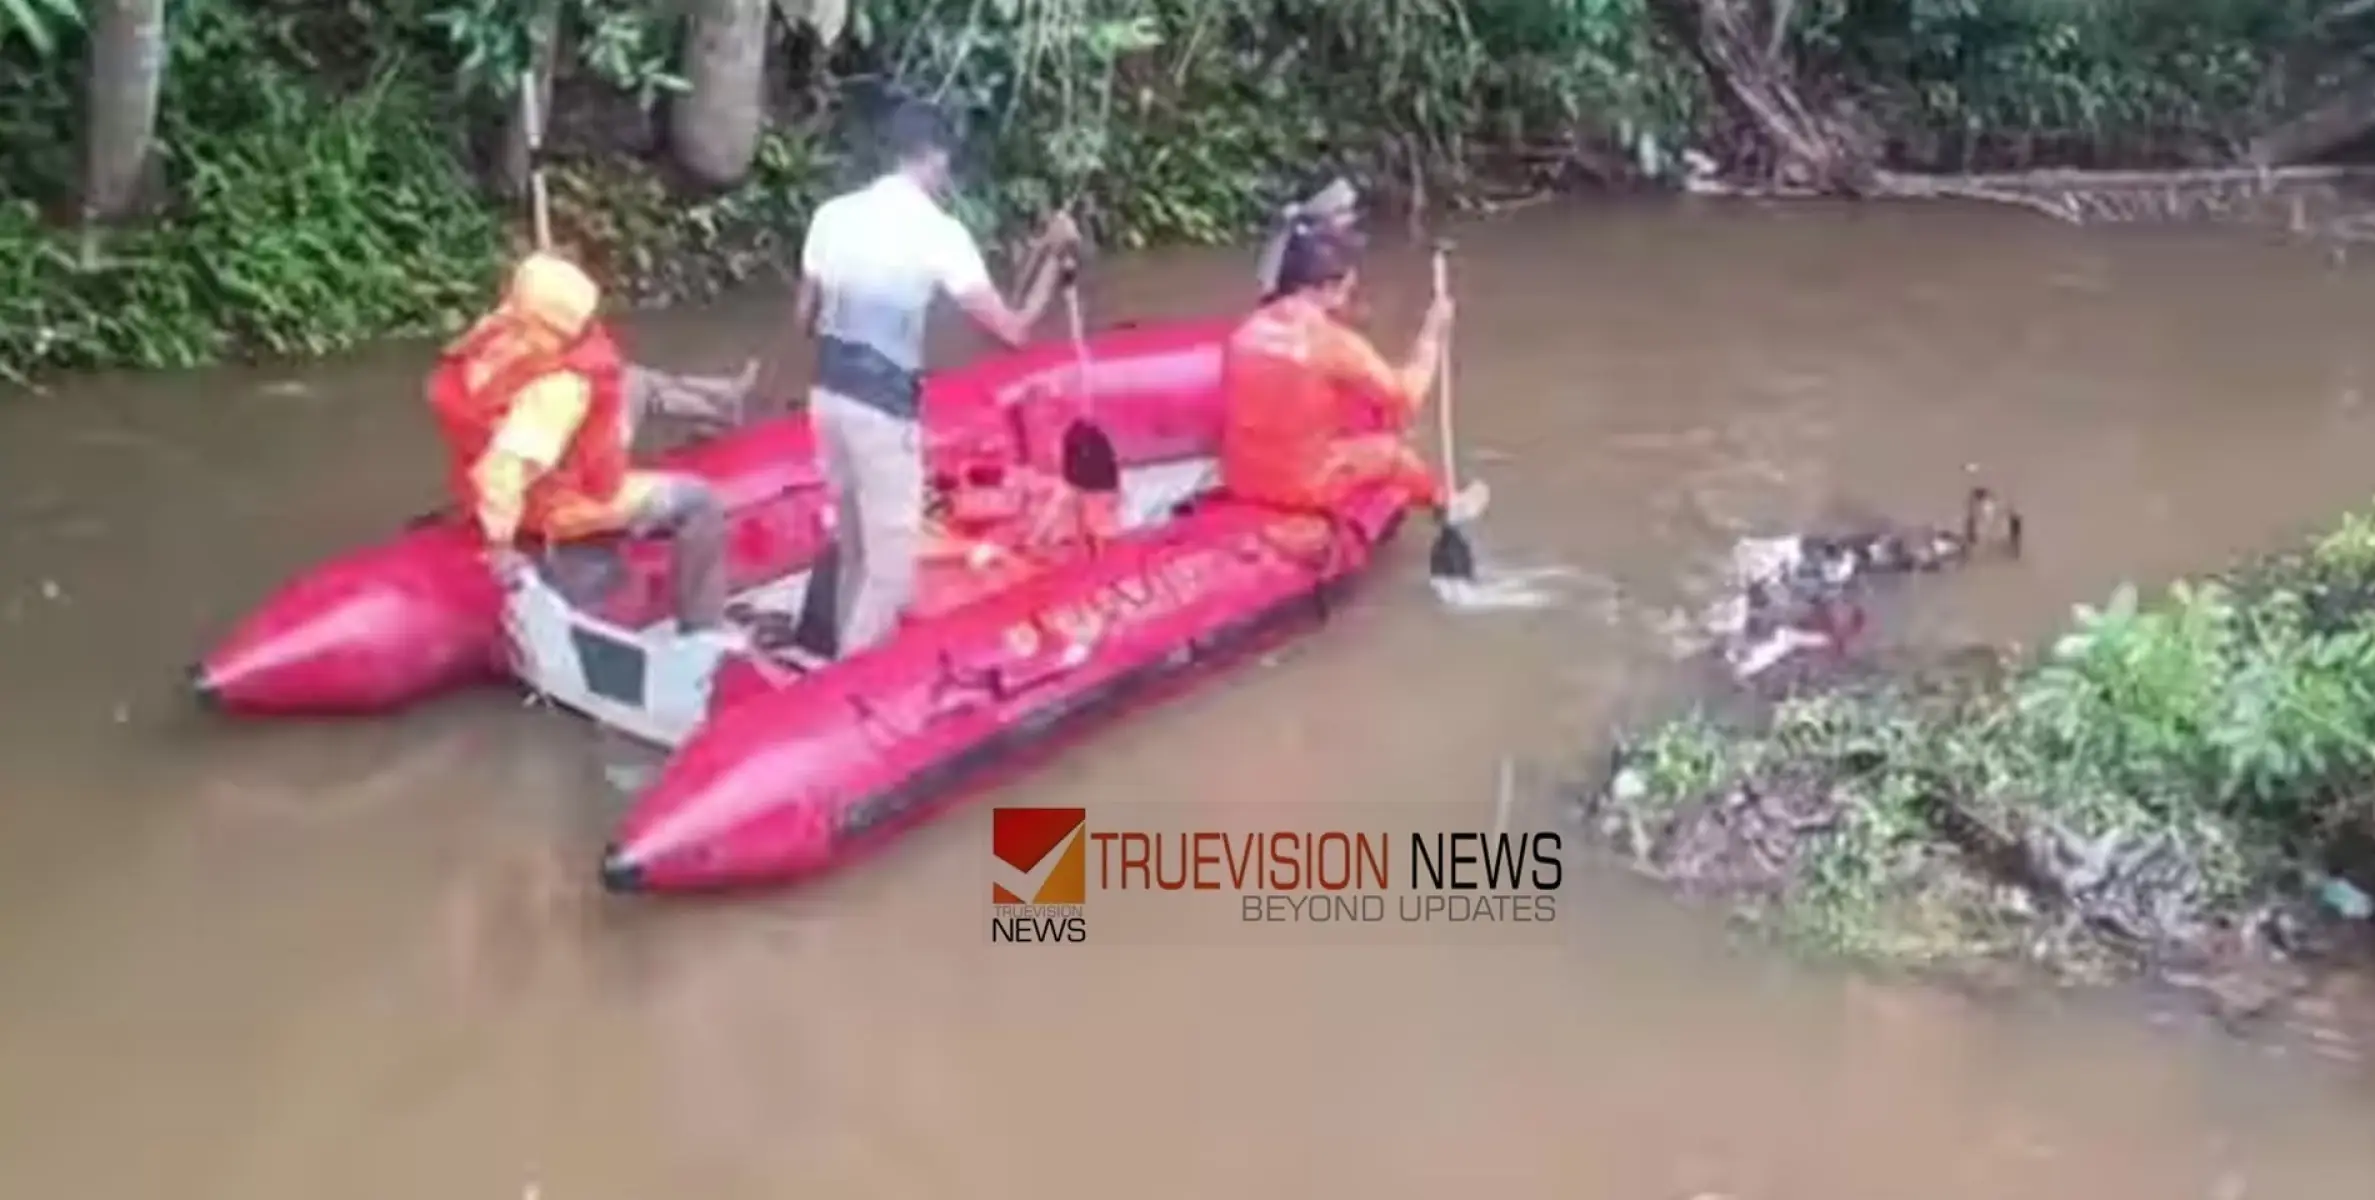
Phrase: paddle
(505, 561)
(1090, 462)
(1452, 558)
(539, 201)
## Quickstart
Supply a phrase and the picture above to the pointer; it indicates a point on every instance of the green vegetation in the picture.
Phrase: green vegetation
(2163, 780)
(2078, 82)
(290, 178)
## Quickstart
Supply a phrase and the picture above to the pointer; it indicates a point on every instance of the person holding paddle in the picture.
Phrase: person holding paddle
(539, 409)
(873, 262)
(1313, 411)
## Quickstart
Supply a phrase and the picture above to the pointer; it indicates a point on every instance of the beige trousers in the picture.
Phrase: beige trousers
(874, 464)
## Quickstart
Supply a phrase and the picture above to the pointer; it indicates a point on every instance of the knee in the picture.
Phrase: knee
(689, 507)
(704, 513)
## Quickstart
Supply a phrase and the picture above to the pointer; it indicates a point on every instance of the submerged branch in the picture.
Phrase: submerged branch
(2082, 197)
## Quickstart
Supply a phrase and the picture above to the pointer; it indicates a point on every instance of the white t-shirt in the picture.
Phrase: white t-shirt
(878, 256)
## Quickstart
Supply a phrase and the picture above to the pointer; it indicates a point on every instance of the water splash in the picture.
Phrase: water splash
(1513, 589)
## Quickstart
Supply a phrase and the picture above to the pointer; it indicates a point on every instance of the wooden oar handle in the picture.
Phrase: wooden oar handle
(1451, 482)
(532, 127)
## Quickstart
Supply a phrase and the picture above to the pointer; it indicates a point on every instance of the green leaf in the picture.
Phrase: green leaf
(33, 20)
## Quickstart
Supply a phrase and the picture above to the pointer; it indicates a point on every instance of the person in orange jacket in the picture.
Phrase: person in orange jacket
(539, 409)
(1301, 383)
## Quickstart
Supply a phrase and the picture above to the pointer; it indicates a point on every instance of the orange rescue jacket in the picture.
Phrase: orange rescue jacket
(501, 353)
(1296, 382)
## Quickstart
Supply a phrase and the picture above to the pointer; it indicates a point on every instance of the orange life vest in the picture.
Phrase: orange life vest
(1286, 409)
(499, 353)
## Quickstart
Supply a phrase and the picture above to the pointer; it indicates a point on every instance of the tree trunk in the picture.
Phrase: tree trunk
(511, 157)
(1742, 45)
(714, 128)
(127, 71)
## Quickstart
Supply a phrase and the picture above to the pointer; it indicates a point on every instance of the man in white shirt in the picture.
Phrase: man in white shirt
(874, 260)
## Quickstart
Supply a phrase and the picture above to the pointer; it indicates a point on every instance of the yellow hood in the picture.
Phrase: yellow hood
(551, 291)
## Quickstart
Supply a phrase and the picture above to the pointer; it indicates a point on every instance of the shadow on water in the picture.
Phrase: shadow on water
(365, 959)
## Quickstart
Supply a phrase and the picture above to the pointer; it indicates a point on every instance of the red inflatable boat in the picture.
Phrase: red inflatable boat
(417, 614)
(779, 771)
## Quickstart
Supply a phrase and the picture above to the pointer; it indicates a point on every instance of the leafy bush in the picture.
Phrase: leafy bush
(319, 195)
(2207, 701)
(659, 247)
(2010, 81)
(302, 222)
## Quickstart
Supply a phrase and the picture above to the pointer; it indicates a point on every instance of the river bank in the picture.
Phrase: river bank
(276, 180)
(2179, 787)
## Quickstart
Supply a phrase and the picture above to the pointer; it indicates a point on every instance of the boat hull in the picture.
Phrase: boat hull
(404, 619)
(788, 780)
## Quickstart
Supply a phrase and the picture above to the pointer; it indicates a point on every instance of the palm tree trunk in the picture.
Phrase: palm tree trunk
(714, 128)
(127, 71)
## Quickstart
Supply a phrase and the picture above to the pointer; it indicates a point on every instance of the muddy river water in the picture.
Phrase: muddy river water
(366, 961)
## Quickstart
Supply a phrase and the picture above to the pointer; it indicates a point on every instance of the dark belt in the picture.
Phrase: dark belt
(866, 375)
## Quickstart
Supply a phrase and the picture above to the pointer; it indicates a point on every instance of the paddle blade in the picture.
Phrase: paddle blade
(1452, 557)
(1091, 464)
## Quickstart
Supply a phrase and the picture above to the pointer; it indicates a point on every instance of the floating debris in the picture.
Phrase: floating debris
(1801, 596)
